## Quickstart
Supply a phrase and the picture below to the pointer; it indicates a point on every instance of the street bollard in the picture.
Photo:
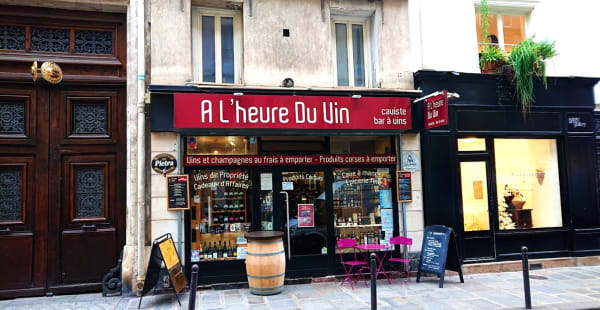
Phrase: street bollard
(373, 281)
(526, 277)
(193, 287)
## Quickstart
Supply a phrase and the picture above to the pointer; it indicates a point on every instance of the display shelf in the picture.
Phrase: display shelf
(229, 211)
(228, 198)
(358, 226)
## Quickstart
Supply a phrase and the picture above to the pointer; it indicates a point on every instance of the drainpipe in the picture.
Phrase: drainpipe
(141, 142)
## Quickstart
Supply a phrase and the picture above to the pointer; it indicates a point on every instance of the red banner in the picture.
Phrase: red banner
(288, 160)
(436, 110)
(197, 110)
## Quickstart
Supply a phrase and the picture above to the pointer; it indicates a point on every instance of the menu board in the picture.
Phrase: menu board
(177, 192)
(404, 181)
(435, 258)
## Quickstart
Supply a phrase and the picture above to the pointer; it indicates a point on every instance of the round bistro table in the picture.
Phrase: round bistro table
(377, 248)
(265, 262)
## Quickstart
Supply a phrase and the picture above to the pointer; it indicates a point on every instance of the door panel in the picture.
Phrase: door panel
(22, 161)
(87, 204)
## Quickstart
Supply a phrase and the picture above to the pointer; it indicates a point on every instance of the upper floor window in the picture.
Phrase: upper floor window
(505, 31)
(216, 46)
(351, 53)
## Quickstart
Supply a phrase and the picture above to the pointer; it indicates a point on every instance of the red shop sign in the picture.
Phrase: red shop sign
(288, 160)
(436, 110)
(197, 110)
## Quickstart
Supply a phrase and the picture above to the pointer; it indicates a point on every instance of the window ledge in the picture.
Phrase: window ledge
(509, 6)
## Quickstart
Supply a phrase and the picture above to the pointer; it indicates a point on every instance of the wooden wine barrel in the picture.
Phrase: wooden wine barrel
(265, 262)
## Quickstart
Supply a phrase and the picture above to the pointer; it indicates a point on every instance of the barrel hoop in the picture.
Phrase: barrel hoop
(264, 242)
(266, 289)
(267, 277)
(266, 254)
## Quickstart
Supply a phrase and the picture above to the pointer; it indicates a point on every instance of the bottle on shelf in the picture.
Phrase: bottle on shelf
(235, 250)
(214, 250)
(200, 253)
(220, 250)
(203, 253)
(229, 250)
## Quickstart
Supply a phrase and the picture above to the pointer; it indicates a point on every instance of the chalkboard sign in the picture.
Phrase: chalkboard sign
(163, 249)
(404, 181)
(439, 252)
(177, 192)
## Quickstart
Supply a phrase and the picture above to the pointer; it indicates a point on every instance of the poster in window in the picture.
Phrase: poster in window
(306, 215)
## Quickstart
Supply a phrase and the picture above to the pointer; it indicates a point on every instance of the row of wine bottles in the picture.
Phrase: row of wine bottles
(212, 250)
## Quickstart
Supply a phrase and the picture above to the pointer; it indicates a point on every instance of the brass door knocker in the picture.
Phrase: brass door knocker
(51, 72)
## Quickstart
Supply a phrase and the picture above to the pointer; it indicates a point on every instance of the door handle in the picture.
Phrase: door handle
(88, 227)
(287, 218)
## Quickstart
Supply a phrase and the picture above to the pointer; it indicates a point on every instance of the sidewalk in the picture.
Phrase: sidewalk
(557, 288)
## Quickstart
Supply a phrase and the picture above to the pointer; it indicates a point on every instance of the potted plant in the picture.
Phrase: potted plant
(491, 59)
(528, 60)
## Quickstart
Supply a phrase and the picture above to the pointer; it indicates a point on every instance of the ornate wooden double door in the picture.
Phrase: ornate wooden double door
(62, 153)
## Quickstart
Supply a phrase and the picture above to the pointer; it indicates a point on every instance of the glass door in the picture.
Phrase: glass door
(475, 200)
(304, 221)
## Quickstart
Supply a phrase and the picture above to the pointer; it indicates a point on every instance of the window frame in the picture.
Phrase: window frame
(197, 13)
(500, 8)
(349, 21)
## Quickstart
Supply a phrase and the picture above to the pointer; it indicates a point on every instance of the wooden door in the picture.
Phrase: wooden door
(23, 189)
(86, 201)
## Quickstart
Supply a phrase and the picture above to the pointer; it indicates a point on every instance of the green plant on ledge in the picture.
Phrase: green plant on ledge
(491, 58)
(528, 60)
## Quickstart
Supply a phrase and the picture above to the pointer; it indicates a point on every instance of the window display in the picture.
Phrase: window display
(360, 199)
(527, 183)
(220, 214)
(473, 182)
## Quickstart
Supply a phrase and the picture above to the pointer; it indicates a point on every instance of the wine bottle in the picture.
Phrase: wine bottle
(220, 250)
(235, 250)
(203, 251)
(229, 250)
(224, 250)
(215, 250)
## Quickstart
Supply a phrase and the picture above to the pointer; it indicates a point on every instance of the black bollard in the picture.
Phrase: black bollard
(526, 277)
(193, 287)
(373, 281)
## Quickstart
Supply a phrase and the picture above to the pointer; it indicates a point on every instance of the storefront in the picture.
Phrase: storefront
(317, 165)
(503, 179)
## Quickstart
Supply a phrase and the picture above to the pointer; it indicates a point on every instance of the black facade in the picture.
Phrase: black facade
(487, 109)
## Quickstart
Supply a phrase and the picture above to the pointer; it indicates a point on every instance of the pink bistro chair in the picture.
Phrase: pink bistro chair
(350, 265)
(406, 261)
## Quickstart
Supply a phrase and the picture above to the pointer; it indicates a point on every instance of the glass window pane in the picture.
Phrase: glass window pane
(307, 212)
(227, 49)
(492, 30)
(359, 55)
(220, 145)
(528, 183)
(208, 48)
(341, 52)
(514, 30)
(471, 144)
(362, 205)
(266, 201)
(360, 145)
(220, 212)
(473, 183)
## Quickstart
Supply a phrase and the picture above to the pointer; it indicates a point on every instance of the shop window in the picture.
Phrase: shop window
(473, 183)
(220, 214)
(504, 31)
(351, 53)
(362, 205)
(216, 46)
(528, 183)
(220, 145)
(290, 144)
(361, 145)
(471, 144)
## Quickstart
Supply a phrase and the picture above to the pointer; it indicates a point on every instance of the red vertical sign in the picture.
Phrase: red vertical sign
(306, 215)
(436, 110)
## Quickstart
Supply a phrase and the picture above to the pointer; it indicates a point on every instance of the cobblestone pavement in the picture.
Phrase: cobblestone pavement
(557, 288)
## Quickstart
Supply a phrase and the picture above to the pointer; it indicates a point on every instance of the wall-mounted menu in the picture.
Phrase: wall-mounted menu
(177, 192)
(404, 182)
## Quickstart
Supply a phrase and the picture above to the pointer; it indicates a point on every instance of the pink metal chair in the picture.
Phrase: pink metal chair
(406, 261)
(350, 265)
